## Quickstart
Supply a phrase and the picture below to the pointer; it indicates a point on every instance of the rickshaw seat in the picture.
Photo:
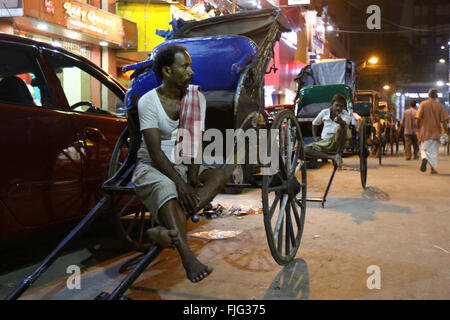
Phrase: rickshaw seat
(218, 63)
(362, 108)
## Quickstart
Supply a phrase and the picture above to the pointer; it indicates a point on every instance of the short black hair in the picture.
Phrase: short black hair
(413, 103)
(433, 93)
(339, 98)
(165, 57)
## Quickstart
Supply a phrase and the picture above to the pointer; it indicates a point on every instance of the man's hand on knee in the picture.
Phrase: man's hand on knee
(195, 182)
(187, 197)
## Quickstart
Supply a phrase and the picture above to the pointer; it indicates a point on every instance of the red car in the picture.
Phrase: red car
(58, 128)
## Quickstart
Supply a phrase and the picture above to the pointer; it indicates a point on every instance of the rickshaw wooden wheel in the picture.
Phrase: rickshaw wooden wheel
(130, 217)
(363, 154)
(284, 192)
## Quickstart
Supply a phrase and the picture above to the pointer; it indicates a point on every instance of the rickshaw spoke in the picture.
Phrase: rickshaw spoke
(274, 205)
(300, 204)
(130, 227)
(290, 236)
(294, 209)
(282, 151)
(125, 207)
(279, 223)
(279, 238)
(289, 146)
(141, 226)
(295, 165)
(277, 188)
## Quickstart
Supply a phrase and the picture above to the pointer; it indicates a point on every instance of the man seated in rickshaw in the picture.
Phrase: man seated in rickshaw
(173, 192)
(335, 134)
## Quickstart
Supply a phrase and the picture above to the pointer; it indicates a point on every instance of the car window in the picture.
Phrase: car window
(21, 81)
(84, 91)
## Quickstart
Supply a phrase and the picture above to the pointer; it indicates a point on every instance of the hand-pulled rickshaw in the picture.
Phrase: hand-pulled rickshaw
(371, 129)
(230, 55)
(388, 132)
(317, 84)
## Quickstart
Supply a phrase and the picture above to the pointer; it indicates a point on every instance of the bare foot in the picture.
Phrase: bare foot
(197, 271)
(163, 237)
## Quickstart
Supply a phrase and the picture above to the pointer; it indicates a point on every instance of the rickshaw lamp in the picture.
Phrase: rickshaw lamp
(373, 60)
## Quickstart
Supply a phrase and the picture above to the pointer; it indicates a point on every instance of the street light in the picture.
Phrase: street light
(373, 60)
(442, 60)
(386, 87)
(440, 83)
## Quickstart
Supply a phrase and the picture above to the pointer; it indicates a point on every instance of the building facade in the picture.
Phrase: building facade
(88, 28)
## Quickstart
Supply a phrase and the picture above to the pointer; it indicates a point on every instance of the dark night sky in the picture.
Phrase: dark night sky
(408, 43)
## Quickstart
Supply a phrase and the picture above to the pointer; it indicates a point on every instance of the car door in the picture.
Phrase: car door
(92, 98)
(40, 166)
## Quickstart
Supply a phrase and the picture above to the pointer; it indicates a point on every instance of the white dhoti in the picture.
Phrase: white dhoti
(428, 150)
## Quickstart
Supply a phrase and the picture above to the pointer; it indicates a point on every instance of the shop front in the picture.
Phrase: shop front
(150, 17)
(289, 59)
(78, 27)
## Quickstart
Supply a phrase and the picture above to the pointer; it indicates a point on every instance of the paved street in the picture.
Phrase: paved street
(399, 223)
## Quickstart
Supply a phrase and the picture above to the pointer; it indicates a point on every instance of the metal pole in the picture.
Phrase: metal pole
(328, 186)
(28, 281)
(151, 254)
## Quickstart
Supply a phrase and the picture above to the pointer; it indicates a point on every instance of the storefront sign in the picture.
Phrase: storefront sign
(78, 16)
(89, 16)
(92, 20)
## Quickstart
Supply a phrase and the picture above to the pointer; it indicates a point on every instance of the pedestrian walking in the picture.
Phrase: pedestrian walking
(429, 117)
(408, 124)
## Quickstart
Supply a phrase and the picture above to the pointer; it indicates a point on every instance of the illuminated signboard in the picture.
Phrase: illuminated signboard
(92, 20)
(86, 19)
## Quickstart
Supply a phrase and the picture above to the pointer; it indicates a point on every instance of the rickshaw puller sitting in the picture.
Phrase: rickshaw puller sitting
(173, 192)
(335, 133)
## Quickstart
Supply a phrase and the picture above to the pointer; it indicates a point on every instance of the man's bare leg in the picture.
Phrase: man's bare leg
(317, 154)
(214, 181)
(341, 136)
(341, 139)
(173, 217)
